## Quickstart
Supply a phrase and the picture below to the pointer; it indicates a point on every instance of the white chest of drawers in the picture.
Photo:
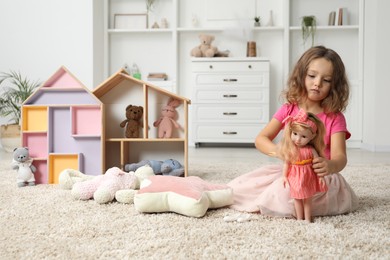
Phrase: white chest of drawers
(230, 99)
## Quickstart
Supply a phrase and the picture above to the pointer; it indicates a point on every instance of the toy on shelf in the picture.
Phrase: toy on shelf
(168, 119)
(132, 123)
(23, 164)
(167, 167)
(206, 49)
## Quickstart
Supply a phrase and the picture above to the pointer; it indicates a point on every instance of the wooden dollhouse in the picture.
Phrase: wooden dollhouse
(121, 90)
(65, 125)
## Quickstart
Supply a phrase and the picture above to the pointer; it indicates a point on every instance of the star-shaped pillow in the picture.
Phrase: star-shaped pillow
(190, 196)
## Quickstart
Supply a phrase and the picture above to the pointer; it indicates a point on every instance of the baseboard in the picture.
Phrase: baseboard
(375, 148)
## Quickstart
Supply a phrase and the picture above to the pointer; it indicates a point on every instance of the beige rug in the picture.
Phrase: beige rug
(43, 222)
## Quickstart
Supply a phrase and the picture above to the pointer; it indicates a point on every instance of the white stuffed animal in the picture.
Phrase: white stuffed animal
(23, 164)
(103, 188)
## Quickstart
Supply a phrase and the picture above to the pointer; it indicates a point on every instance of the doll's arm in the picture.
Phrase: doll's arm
(285, 174)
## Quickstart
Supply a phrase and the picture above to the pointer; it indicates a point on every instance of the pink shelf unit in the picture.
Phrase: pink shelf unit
(62, 127)
(37, 144)
(86, 121)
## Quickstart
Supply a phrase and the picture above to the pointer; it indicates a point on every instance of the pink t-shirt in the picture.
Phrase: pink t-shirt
(334, 122)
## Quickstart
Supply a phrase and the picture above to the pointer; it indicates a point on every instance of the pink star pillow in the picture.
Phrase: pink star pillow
(190, 196)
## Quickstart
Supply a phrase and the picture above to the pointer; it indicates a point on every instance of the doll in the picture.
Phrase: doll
(302, 141)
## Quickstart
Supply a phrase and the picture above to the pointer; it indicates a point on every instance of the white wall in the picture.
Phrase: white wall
(37, 37)
(376, 123)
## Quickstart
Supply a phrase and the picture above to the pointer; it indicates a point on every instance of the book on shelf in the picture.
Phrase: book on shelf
(332, 17)
(341, 16)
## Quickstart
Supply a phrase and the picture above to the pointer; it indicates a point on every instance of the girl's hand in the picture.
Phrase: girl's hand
(321, 166)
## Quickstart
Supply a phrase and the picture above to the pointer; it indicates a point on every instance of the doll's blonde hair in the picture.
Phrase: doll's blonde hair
(289, 151)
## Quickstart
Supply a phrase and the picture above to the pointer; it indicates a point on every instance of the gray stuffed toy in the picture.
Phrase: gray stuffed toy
(23, 164)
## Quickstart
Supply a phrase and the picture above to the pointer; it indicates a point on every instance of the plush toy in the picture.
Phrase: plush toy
(206, 49)
(156, 166)
(69, 177)
(23, 164)
(167, 120)
(132, 122)
(167, 167)
(104, 188)
(172, 167)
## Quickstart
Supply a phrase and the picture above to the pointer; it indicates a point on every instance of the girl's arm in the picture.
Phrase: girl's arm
(338, 157)
(264, 139)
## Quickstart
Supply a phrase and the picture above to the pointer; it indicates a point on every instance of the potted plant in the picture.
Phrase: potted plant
(14, 90)
(309, 26)
(257, 21)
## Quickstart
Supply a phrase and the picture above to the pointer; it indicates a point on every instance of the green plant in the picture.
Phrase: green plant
(309, 26)
(150, 5)
(15, 89)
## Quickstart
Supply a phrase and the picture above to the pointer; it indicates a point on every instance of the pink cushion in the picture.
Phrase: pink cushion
(189, 196)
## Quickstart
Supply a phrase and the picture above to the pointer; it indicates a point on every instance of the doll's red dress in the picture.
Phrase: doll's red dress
(303, 181)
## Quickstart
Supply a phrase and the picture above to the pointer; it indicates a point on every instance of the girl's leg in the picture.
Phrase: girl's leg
(307, 209)
(298, 209)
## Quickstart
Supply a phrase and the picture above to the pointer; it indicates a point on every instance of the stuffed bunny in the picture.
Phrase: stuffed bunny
(168, 119)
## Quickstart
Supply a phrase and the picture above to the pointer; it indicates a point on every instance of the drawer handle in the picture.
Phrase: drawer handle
(211, 66)
(229, 133)
(229, 113)
(230, 80)
(250, 66)
(229, 96)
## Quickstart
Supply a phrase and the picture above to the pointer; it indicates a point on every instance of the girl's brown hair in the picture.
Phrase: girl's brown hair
(289, 151)
(337, 99)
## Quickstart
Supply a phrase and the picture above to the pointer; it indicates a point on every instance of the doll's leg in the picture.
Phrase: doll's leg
(307, 209)
(298, 208)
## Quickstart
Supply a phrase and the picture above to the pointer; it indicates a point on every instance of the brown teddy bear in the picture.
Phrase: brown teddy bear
(132, 123)
(206, 49)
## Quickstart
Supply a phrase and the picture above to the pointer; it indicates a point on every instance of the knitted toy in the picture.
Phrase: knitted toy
(167, 167)
(167, 120)
(104, 188)
(132, 122)
(23, 164)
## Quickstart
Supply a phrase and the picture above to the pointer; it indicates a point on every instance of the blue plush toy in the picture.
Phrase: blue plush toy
(167, 167)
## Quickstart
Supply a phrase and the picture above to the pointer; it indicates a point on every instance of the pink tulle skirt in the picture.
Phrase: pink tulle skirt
(262, 191)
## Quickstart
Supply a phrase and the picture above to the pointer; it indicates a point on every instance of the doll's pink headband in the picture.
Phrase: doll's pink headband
(302, 119)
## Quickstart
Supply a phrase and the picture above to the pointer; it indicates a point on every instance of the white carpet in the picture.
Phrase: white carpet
(44, 222)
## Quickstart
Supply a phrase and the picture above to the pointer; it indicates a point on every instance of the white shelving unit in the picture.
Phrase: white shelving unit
(167, 50)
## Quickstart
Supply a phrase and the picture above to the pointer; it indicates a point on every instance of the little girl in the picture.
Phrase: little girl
(303, 137)
(318, 84)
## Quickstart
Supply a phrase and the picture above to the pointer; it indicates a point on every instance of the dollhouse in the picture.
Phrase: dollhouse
(65, 125)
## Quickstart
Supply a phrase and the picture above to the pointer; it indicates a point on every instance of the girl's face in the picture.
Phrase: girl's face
(318, 79)
(302, 137)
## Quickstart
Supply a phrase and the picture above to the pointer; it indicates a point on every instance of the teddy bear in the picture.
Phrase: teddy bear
(167, 167)
(104, 188)
(206, 49)
(132, 122)
(23, 164)
(167, 120)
